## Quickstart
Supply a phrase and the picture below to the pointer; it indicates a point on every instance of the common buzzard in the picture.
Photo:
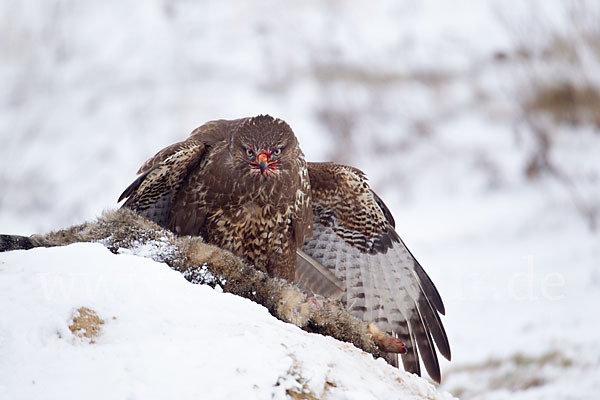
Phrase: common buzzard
(245, 186)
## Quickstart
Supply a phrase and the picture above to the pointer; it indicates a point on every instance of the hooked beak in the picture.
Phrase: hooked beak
(263, 162)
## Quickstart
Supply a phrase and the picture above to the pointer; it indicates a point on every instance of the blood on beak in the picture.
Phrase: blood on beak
(263, 161)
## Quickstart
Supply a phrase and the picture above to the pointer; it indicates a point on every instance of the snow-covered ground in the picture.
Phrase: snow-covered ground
(157, 336)
(426, 97)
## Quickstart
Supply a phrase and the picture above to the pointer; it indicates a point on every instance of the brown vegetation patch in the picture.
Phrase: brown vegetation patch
(558, 65)
(301, 395)
(567, 103)
(86, 324)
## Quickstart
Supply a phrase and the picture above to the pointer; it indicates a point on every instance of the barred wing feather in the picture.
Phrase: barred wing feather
(354, 237)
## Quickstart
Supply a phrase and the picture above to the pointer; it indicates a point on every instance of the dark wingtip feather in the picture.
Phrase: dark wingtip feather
(133, 187)
(410, 360)
(434, 325)
(427, 284)
(427, 350)
(429, 288)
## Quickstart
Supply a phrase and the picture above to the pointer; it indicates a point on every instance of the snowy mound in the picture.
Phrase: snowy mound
(81, 322)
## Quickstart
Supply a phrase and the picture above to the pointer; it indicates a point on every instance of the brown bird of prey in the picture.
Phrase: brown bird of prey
(245, 186)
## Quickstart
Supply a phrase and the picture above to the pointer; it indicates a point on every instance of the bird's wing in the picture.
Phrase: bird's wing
(354, 237)
(151, 194)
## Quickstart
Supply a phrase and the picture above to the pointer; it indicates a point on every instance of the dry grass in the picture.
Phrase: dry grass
(302, 391)
(303, 395)
(555, 66)
(366, 75)
(566, 103)
(513, 374)
(357, 99)
(559, 66)
(86, 324)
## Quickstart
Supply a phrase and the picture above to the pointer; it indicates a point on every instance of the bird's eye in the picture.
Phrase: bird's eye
(249, 153)
(276, 151)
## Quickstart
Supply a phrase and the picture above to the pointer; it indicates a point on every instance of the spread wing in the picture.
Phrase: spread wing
(354, 237)
(151, 194)
(160, 177)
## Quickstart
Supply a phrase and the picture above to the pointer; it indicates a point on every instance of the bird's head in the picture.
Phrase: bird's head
(265, 146)
(266, 161)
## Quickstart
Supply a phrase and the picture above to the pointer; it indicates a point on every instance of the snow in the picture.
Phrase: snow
(426, 97)
(164, 337)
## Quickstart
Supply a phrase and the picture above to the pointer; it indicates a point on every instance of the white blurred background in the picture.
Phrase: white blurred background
(478, 122)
